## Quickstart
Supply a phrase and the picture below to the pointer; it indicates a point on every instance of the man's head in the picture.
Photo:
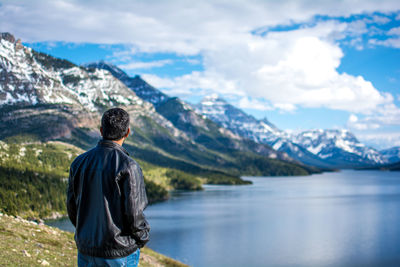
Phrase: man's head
(115, 124)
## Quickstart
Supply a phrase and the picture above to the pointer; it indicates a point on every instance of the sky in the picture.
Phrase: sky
(301, 64)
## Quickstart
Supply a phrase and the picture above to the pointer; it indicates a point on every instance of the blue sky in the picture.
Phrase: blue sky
(301, 64)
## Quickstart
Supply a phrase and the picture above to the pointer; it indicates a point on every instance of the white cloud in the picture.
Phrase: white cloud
(121, 55)
(193, 61)
(354, 123)
(378, 19)
(289, 69)
(353, 118)
(384, 116)
(378, 129)
(250, 103)
(394, 31)
(380, 140)
(285, 106)
(392, 41)
(388, 114)
(306, 75)
(145, 65)
(195, 83)
(185, 27)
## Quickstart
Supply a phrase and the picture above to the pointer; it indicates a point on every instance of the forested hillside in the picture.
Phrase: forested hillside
(33, 179)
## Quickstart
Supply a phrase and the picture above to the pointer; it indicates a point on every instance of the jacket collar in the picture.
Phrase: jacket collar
(109, 143)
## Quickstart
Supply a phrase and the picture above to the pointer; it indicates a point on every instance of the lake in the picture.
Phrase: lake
(347, 218)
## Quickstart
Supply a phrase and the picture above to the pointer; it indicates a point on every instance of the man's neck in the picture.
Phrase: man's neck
(119, 142)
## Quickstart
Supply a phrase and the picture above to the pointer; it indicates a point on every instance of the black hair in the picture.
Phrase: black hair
(115, 124)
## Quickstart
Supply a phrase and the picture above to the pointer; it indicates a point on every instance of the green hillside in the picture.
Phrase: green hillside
(34, 176)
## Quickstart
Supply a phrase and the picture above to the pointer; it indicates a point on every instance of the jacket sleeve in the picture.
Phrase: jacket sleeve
(135, 203)
(71, 206)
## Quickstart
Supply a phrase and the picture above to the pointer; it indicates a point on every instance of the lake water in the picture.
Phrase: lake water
(349, 218)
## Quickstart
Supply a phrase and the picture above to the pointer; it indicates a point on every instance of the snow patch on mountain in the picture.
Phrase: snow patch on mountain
(136, 84)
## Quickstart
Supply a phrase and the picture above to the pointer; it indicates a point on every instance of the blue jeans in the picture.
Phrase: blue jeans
(89, 261)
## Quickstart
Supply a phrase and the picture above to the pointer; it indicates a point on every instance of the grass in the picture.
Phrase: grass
(24, 243)
(166, 177)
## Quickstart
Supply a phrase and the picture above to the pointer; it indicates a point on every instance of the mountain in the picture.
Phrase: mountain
(230, 117)
(260, 131)
(45, 98)
(392, 155)
(339, 148)
(137, 84)
(38, 91)
(323, 148)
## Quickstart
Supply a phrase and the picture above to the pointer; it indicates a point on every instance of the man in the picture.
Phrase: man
(106, 198)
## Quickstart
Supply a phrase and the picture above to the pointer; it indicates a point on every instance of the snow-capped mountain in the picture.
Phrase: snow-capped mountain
(339, 147)
(260, 131)
(25, 79)
(136, 83)
(29, 78)
(325, 148)
(392, 155)
(230, 117)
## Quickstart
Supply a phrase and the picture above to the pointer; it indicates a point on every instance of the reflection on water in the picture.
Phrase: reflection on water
(332, 219)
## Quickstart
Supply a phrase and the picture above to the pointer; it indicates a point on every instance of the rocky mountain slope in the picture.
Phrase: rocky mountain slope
(136, 83)
(324, 148)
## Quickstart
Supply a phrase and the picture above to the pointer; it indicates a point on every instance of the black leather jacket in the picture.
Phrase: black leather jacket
(105, 202)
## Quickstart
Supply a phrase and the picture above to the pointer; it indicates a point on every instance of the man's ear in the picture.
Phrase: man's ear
(101, 131)
(128, 132)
